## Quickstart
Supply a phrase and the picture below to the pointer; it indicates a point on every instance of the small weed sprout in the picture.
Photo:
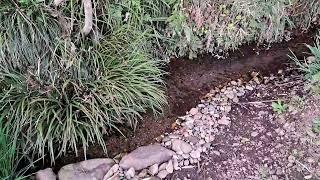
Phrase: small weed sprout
(316, 125)
(279, 106)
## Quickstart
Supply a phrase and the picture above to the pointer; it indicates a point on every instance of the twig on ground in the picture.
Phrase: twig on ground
(259, 102)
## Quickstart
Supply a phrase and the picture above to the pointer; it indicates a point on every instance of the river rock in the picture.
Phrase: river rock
(195, 154)
(143, 173)
(194, 111)
(169, 167)
(130, 173)
(86, 170)
(113, 170)
(153, 170)
(162, 166)
(46, 174)
(163, 174)
(224, 121)
(176, 164)
(146, 156)
(180, 146)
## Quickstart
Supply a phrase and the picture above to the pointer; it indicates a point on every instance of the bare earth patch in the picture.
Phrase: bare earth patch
(261, 144)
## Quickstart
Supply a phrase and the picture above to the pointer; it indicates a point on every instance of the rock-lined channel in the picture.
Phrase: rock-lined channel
(179, 150)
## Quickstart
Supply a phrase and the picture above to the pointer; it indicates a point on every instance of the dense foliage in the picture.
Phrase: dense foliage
(216, 26)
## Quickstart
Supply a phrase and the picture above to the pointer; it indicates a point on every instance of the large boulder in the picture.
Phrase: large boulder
(146, 156)
(93, 169)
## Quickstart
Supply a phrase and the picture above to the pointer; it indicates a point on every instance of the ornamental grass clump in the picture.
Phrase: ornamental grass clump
(60, 90)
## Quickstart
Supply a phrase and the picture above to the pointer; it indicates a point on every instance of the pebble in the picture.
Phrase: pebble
(291, 159)
(143, 173)
(169, 167)
(308, 177)
(163, 174)
(224, 121)
(216, 153)
(254, 134)
(249, 88)
(112, 171)
(181, 146)
(130, 173)
(173, 136)
(153, 170)
(185, 156)
(186, 162)
(197, 116)
(162, 166)
(194, 111)
(195, 154)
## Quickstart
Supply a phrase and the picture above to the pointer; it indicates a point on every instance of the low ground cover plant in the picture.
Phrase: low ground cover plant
(279, 106)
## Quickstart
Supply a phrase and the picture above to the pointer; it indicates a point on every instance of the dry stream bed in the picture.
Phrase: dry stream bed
(220, 124)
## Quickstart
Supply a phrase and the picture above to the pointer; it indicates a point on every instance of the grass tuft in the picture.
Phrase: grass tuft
(311, 66)
(60, 91)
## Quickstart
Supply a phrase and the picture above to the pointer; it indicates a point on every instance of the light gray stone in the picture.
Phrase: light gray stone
(130, 173)
(153, 170)
(163, 174)
(224, 121)
(46, 174)
(176, 164)
(143, 173)
(162, 166)
(186, 162)
(86, 170)
(113, 170)
(195, 154)
(146, 156)
(194, 111)
(169, 167)
(181, 146)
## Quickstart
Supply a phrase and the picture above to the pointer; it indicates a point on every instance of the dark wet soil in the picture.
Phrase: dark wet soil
(187, 82)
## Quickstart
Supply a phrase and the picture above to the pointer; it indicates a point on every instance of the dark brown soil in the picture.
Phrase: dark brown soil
(188, 80)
